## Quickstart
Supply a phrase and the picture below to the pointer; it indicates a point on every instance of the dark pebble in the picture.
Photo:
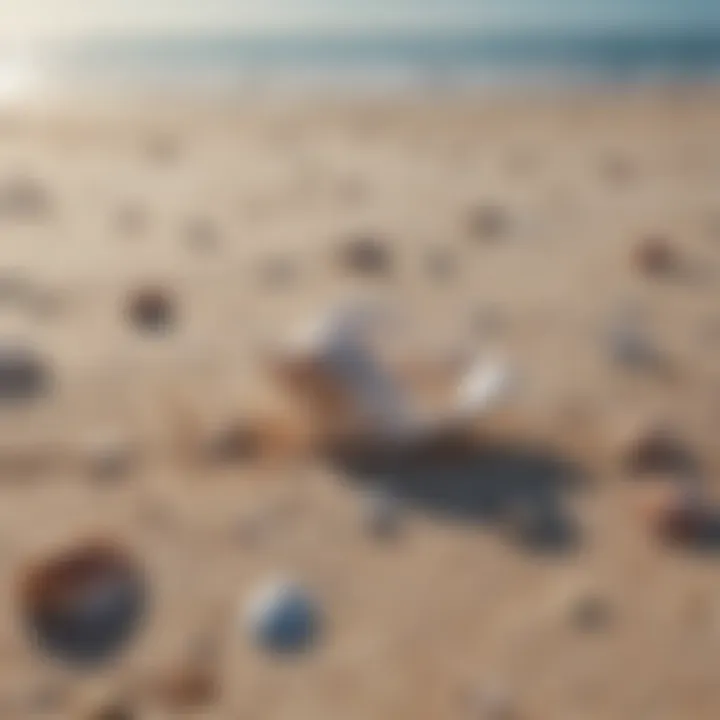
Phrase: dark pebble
(365, 254)
(152, 311)
(24, 375)
(652, 448)
(655, 255)
(488, 222)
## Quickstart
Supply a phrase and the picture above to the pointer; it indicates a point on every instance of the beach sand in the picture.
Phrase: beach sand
(514, 225)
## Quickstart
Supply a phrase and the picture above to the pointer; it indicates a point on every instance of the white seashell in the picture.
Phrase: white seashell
(486, 386)
(338, 344)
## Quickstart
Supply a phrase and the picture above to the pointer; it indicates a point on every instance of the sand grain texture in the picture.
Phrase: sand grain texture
(540, 204)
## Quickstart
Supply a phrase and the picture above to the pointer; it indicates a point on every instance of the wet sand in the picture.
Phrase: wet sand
(513, 225)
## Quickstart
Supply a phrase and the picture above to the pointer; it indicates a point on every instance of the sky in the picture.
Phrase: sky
(34, 18)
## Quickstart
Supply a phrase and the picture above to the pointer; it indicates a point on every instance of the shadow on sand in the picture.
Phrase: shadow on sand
(523, 489)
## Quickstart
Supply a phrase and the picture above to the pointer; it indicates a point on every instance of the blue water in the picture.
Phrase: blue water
(391, 59)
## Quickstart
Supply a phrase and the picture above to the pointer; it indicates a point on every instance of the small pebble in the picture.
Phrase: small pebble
(655, 255)
(152, 311)
(24, 375)
(651, 446)
(365, 254)
(489, 222)
(283, 617)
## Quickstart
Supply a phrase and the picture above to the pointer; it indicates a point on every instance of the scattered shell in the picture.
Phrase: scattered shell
(283, 617)
(488, 222)
(365, 254)
(152, 311)
(332, 367)
(24, 375)
(82, 605)
(674, 512)
(655, 255)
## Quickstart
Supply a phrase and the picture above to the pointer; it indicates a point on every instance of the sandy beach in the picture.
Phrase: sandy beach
(150, 256)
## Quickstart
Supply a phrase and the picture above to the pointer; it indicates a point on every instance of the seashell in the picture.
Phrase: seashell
(283, 617)
(83, 604)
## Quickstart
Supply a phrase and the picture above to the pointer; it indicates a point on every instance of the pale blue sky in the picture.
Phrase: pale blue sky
(27, 18)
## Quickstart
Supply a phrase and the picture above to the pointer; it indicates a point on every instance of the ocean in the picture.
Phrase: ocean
(366, 60)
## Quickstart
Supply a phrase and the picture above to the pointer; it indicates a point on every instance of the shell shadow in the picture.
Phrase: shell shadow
(521, 489)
